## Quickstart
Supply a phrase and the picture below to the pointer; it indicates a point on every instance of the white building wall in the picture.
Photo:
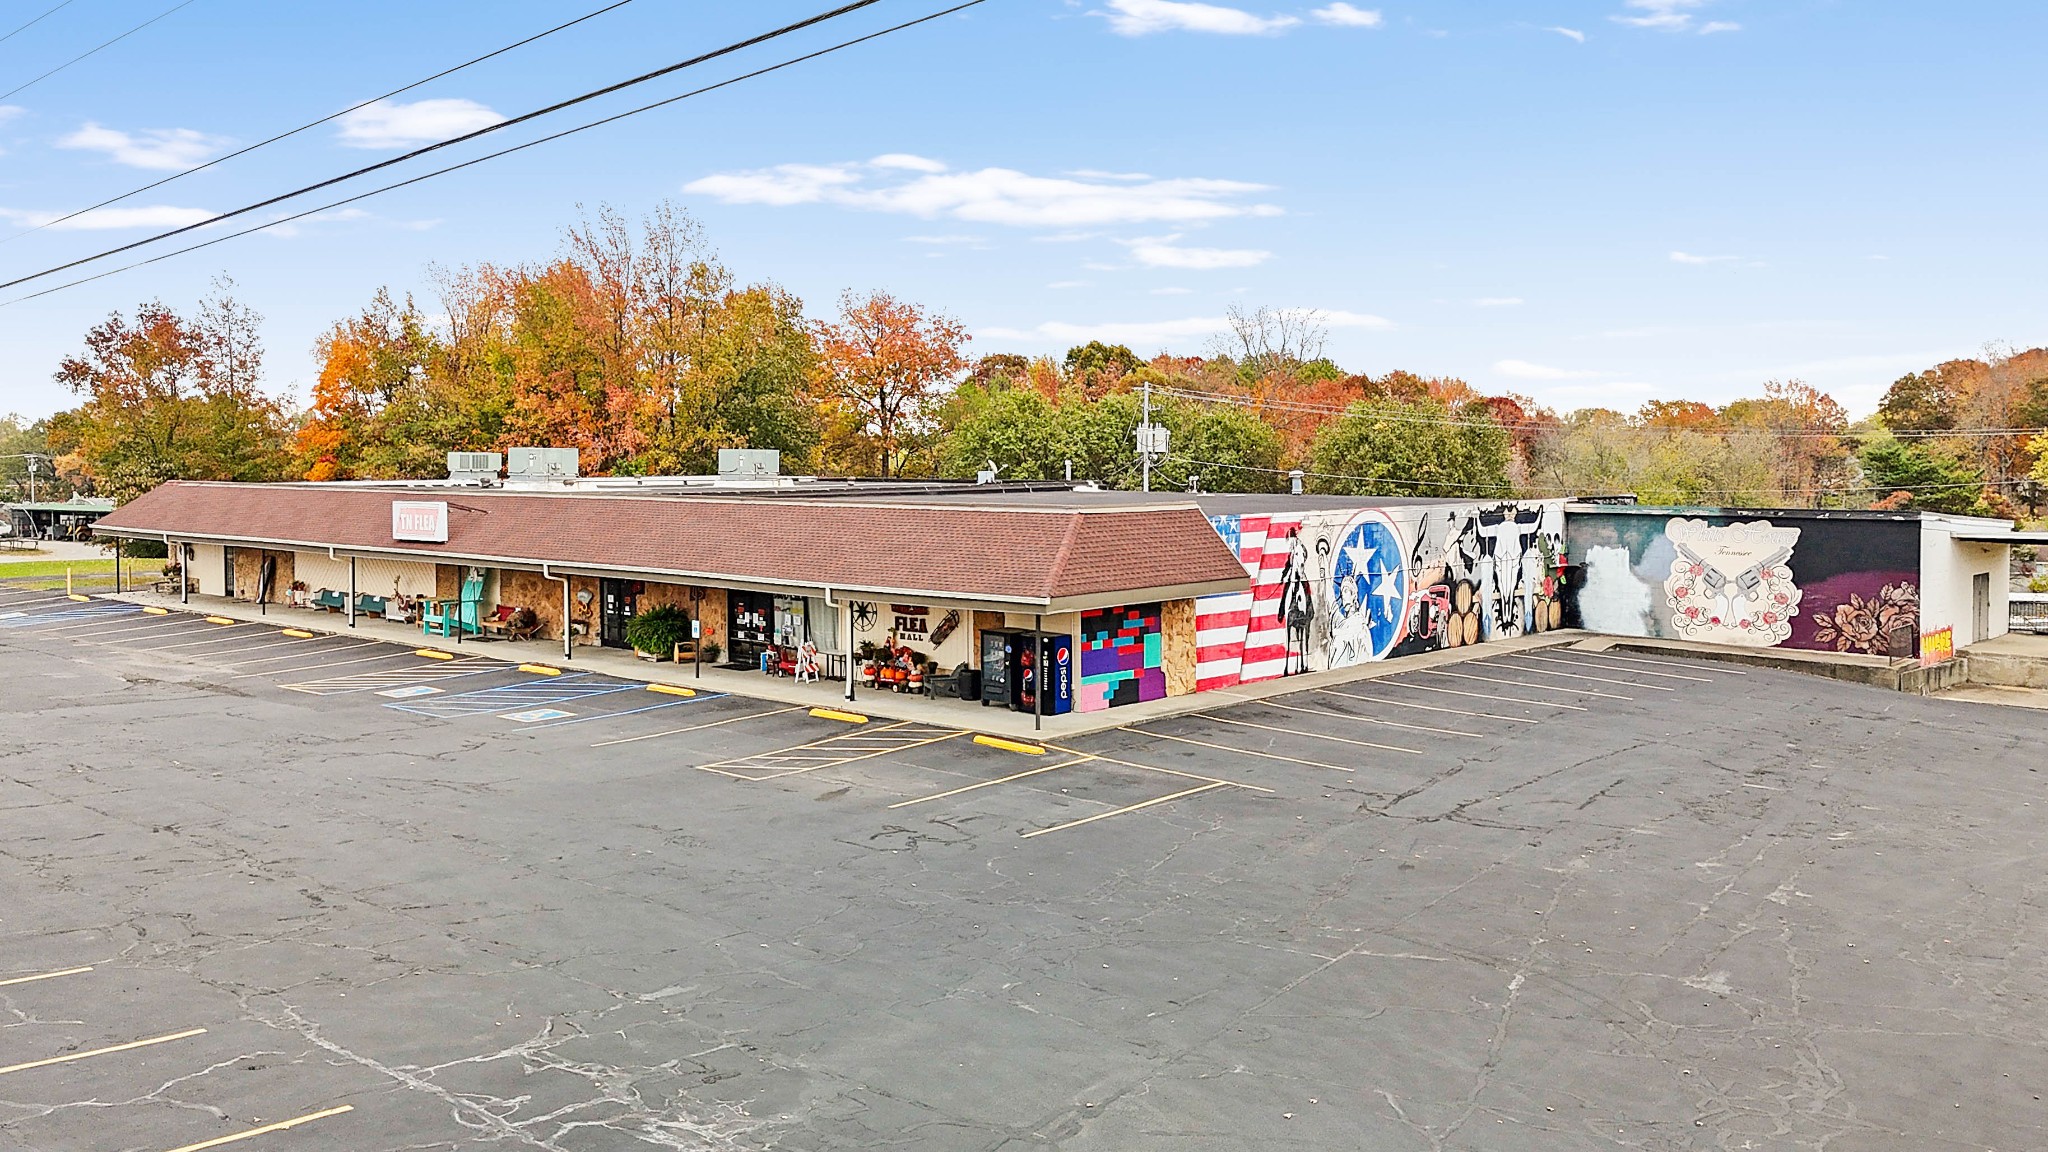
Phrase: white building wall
(208, 570)
(1948, 569)
(317, 570)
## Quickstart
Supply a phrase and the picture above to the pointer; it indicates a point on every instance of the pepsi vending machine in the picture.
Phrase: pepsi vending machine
(1015, 664)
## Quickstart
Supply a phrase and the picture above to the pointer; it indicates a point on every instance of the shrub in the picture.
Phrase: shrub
(658, 630)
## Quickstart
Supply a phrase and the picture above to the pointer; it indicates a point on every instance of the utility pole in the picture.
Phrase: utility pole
(1144, 438)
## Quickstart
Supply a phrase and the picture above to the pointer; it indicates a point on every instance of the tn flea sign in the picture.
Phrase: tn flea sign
(425, 521)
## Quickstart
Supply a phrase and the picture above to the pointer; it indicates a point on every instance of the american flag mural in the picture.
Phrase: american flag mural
(1241, 637)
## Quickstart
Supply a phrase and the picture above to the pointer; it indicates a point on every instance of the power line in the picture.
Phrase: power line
(714, 54)
(92, 52)
(1303, 407)
(316, 123)
(36, 21)
(1555, 491)
(876, 35)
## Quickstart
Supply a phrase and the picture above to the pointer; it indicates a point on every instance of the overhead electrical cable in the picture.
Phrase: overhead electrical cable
(36, 21)
(522, 118)
(777, 67)
(218, 160)
(92, 52)
(1309, 408)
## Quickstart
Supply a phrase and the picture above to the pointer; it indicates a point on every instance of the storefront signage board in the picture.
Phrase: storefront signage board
(422, 521)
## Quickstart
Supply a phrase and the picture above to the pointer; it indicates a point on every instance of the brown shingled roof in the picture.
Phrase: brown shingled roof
(944, 551)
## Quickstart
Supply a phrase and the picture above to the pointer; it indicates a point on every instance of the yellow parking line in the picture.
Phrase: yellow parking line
(993, 783)
(1248, 752)
(1127, 808)
(280, 1126)
(187, 1034)
(44, 976)
(1428, 707)
(776, 775)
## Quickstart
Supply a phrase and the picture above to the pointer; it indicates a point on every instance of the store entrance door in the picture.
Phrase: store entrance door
(615, 607)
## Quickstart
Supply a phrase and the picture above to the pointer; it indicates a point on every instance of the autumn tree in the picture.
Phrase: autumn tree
(1912, 476)
(168, 397)
(882, 363)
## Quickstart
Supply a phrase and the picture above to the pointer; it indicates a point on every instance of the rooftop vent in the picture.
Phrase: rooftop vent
(539, 465)
(474, 467)
(749, 462)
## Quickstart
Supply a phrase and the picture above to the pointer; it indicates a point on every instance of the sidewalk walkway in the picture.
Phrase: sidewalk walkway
(867, 701)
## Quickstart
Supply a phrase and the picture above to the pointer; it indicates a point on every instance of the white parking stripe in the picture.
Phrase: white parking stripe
(1428, 707)
(1522, 684)
(1645, 660)
(1306, 735)
(161, 624)
(695, 727)
(316, 667)
(1390, 682)
(223, 635)
(347, 647)
(1359, 719)
(1618, 671)
(1260, 755)
(1568, 675)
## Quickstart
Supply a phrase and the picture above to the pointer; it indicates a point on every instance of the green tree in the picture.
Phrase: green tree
(1096, 366)
(1926, 479)
(1013, 427)
(1229, 449)
(1921, 402)
(1417, 449)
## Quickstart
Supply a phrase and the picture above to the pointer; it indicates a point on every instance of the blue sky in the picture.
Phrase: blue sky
(1587, 201)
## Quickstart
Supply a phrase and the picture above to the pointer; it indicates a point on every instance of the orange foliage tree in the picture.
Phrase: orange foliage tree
(883, 362)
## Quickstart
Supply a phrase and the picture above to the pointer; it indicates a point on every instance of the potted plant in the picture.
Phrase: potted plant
(711, 651)
(655, 632)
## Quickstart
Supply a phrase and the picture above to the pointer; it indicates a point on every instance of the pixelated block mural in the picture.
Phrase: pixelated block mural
(1123, 657)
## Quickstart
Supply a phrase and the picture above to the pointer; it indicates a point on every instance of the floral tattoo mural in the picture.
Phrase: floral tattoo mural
(1732, 584)
(1860, 625)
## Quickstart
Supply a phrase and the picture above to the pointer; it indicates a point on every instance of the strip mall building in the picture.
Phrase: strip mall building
(1126, 597)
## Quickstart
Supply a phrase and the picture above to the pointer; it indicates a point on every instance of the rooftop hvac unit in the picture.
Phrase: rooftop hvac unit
(749, 462)
(541, 464)
(474, 466)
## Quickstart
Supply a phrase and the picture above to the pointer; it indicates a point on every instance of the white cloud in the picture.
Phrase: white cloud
(107, 219)
(162, 149)
(1497, 301)
(1523, 370)
(1568, 33)
(1063, 284)
(10, 111)
(1345, 16)
(989, 195)
(1670, 16)
(907, 162)
(948, 240)
(1689, 258)
(1162, 252)
(1098, 174)
(1153, 334)
(1144, 17)
(385, 124)
(1173, 292)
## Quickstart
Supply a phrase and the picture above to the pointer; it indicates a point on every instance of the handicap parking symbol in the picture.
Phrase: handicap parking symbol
(536, 715)
(409, 692)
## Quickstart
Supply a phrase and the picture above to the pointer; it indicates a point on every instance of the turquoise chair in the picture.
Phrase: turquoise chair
(448, 617)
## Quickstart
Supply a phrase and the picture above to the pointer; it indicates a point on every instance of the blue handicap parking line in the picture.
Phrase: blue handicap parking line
(64, 615)
(527, 694)
(699, 699)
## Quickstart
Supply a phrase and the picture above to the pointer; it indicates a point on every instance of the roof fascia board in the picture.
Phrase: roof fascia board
(570, 568)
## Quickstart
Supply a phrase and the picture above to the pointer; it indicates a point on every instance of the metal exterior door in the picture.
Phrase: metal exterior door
(1980, 607)
(615, 598)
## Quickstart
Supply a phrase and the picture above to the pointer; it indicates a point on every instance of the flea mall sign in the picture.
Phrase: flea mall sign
(425, 521)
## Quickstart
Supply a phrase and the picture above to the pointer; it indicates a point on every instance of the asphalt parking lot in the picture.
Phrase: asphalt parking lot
(315, 893)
